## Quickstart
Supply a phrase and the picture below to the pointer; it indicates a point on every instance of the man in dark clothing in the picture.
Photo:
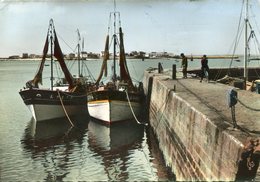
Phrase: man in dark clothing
(204, 68)
(184, 65)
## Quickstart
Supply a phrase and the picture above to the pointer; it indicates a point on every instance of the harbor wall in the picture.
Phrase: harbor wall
(195, 146)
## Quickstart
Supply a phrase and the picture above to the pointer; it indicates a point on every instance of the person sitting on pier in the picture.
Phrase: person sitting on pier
(184, 65)
(204, 68)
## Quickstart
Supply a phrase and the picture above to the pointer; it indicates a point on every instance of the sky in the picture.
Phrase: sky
(176, 26)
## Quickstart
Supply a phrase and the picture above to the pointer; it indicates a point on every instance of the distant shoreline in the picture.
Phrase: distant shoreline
(160, 57)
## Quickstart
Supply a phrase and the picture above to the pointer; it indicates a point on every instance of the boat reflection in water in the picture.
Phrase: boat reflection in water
(56, 151)
(112, 138)
(41, 134)
(116, 145)
(52, 145)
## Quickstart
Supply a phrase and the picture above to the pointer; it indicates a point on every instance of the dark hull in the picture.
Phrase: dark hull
(47, 104)
(217, 73)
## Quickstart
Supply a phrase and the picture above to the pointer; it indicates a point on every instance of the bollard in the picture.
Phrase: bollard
(174, 71)
(232, 101)
(160, 68)
(231, 97)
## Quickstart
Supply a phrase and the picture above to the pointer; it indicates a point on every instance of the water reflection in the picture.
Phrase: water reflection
(53, 143)
(164, 173)
(55, 151)
(115, 144)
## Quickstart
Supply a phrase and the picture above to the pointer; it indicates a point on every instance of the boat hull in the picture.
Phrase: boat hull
(47, 104)
(115, 108)
(218, 73)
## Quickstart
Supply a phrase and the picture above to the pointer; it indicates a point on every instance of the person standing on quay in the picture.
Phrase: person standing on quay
(204, 68)
(184, 65)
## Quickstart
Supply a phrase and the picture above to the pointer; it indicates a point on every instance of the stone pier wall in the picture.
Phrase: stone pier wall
(194, 145)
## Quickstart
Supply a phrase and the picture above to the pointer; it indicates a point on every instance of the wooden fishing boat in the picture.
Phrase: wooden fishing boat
(118, 99)
(239, 76)
(46, 104)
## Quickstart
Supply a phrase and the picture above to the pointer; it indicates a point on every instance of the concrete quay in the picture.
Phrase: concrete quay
(194, 126)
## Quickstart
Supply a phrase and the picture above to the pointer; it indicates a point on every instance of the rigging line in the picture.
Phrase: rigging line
(117, 42)
(258, 76)
(218, 74)
(119, 20)
(257, 42)
(256, 46)
(237, 34)
(89, 72)
(48, 37)
(135, 80)
(4, 6)
(73, 50)
(133, 110)
(58, 70)
(236, 45)
(133, 68)
(109, 24)
(257, 27)
(110, 42)
(71, 65)
(64, 109)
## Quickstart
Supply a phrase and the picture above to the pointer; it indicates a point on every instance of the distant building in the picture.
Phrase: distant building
(158, 54)
(93, 55)
(32, 56)
(133, 53)
(153, 55)
(171, 55)
(14, 57)
(84, 54)
(71, 56)
(25, 56)
(38, 56)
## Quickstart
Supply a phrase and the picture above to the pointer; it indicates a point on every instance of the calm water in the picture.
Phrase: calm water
(89, 151)
(55, 151)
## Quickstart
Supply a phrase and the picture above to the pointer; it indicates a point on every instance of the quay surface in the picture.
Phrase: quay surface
(194, 126)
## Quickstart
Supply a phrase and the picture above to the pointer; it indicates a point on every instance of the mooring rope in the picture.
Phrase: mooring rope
(164, 107)
(146, 124)
(64, 109)
(133, 110)
(246, 106)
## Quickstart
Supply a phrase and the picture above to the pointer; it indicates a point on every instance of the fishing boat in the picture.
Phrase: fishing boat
(118, 99)
(51, 103)
(241, 74)
(83, 76)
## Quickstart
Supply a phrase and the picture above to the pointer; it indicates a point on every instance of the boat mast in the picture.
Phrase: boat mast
(82, 50)
(114, 38)
(51, 38)
(78, 52)
(246, 43)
